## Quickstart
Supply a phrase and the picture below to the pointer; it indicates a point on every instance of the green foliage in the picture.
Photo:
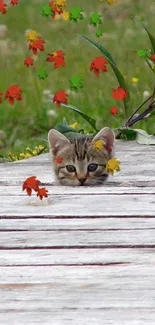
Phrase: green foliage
(117, 72)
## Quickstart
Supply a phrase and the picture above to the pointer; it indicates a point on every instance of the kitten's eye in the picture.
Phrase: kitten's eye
(70, 168)
(92, 167)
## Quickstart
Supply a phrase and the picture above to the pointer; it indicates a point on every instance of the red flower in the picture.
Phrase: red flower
(1, 94)
(119, 93)
(59, 160)
(37, 45)
(55, 9)
(42, 192)
(29, 61)
(12, 93)
(3, 7)
(14, 2)
(98, 64)
(59, 98)
(114, 110)
(153, 57)
(58, 60)
(31, 183)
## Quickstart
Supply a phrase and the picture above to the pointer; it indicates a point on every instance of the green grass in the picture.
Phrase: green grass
(28, 119)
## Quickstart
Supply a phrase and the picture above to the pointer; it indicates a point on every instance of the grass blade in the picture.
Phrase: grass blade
(152, 39)
(117, 72)
(90, 120)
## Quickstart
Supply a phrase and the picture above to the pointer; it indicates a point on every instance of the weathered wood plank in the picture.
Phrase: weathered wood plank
(75, 239)
(96, 256)
(50, 224)
(95, 316)
(78, 205)
(75, 287)
(16, 190)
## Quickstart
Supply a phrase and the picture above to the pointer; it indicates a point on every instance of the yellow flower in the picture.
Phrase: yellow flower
(40, 147)
(32, 36)
(111, 2)
(134, 80)
(54, 53)
(65, 15)
(113, 164)
(60, 3)
(74, 125)
(98, 145)
(23, 155)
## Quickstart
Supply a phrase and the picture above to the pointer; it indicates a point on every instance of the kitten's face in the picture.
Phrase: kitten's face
(81, 163)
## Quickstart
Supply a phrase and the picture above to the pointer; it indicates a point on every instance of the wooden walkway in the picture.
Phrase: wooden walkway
(83, 256)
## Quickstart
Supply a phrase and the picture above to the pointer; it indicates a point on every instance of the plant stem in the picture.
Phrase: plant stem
(150, 108)
(137, 109)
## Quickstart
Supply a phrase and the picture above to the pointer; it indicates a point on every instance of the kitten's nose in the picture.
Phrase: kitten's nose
(82, 180)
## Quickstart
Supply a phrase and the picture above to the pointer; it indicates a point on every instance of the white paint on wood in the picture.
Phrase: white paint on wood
(45, 257)
(77, 238)
(49, 224)
(84, 316)
(66, 286)
(16, 190)
(78, 205)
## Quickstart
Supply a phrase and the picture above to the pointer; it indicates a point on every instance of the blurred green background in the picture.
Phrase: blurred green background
(27, 120)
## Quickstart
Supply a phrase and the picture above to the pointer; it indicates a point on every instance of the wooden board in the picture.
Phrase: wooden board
(84, 255)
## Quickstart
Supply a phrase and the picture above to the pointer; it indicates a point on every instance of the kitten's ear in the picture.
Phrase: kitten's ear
(108, 136)
(57, 141)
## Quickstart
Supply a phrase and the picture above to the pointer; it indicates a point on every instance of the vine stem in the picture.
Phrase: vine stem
(148, 110)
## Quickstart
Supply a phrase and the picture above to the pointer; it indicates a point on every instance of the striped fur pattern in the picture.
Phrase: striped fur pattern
(86, 164)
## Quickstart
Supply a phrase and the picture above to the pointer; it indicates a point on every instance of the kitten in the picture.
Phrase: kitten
(81, 163)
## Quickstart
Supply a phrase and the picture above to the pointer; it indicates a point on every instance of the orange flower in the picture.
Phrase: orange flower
(98, 64)
(59, 160)
(60, 97)
(31, 183)
(42, 192)
(37, 45)
(12, 93)
(153, 57)
(119, 93)
(114, 110)
(29, 61)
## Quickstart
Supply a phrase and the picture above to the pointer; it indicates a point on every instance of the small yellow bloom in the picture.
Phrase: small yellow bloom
(60, 3)
(23, 155)
(65, 15)
(54, 53)
(40, 147)
(74, 125)
(112, 164)
(32, 36)
(134, 80)
(111, 2)
(98, 145)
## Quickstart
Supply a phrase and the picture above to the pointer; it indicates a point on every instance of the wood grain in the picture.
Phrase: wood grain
(83, 255)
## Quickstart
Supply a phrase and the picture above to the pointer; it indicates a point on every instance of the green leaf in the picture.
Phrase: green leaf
(75, 14)
(95, 19)
(62, 128)
(90, 120)
(46, 10)
(118, 74)
(152, 39)
(76, 82)
(42, 74)
(99, 33)
(126, 133)
(64, 121)
(144, 138)
(142, 53)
